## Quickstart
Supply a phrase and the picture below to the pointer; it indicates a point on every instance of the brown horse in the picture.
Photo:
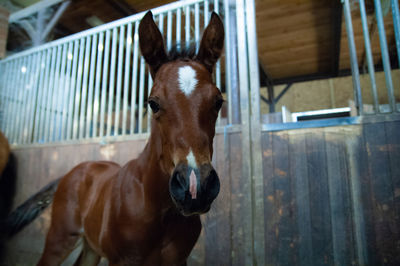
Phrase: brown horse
(4, 152)
(147, 212)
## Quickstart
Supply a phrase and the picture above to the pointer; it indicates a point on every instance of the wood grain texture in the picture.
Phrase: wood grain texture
(301, 196)
(382, 193)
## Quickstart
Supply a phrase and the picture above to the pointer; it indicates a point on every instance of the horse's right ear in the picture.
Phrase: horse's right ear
(151, 43)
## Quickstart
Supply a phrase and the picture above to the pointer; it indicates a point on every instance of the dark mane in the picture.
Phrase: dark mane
(181, 52)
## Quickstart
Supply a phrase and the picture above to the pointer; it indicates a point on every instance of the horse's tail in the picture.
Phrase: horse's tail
(29, 210)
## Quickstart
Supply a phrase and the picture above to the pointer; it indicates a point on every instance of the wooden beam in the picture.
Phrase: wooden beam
(122, 7)
(31, 10)
(337, 14)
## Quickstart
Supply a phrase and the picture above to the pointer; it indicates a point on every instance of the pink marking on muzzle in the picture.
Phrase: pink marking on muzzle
(193, 185)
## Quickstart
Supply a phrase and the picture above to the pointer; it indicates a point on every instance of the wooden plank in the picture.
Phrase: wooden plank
(386, 230)
(270, 207)
(3, 31)
(241, 210)
(363, 221)
(393, 140)
(319, 198)
(210, 225)
(340, 205)
(223, 202)
(301, 196)
(392, 130)
(283, 197)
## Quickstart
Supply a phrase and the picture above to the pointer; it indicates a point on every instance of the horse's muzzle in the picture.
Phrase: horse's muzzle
(194, 189)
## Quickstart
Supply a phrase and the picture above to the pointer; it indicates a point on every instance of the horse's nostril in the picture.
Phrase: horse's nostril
(212, 185)
(177, 186)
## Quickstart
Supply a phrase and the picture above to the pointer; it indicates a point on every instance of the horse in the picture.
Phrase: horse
(4, 152)
(147, 212)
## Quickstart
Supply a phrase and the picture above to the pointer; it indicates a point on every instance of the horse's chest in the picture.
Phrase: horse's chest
(131, 243)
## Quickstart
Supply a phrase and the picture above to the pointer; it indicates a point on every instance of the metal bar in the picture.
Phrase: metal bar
(78, 89)
(84, 94)
(161, 23)
(107, 26)
(218, 66)
(72, 88)
(32, 9)
(89, 111)
(32, 93)
(216, 6)
(255, 137)
(4, 100)
(126, 78)
(247, 240)
(12, 66)
(41, 66)
(134, 77)
(50, 95)
(178, 27)
(3, 97)
(385, 54)
(396, 25)
(22, 96)
(353, 57)
(169, 30)
(25, 111)
(205, 13)
(16, 80)
(19, 99)
(187, 27)
(141, 94)
(38, 95)
(197, 25)
(66, 91)
(112, 78)
(104, 83)
(9, 68)
(228, 84)
(119, 78)
(283, 92)
(97, 85)
(368, 51)
(56, 92)
(44, 101)
(60, 11)
(61, 94)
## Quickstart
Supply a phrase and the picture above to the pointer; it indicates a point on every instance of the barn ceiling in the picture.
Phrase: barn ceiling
(297, 39)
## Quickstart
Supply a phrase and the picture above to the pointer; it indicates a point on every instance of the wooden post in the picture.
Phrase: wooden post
(4, 14)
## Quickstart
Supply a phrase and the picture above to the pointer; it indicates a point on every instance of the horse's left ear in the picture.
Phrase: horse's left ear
(151, 43)
(212, 43)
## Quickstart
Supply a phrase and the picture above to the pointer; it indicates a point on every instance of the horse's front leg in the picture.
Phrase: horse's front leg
(181, 236)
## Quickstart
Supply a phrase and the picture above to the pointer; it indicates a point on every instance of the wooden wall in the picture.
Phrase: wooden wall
(331, 196)
(3, 31)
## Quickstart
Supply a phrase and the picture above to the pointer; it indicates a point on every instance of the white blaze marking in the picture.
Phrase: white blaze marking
(193, 184)
(191, 160)
(192, 178)
(187, 79)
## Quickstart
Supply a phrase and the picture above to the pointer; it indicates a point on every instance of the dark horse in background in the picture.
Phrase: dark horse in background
(147, 211)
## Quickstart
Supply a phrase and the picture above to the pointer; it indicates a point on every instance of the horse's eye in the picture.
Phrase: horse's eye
(218, 104)
(154, 106)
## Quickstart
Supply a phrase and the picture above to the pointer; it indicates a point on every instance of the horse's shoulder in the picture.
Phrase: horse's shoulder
(96, 165)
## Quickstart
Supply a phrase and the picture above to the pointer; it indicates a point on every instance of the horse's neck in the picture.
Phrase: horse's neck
(155, 177)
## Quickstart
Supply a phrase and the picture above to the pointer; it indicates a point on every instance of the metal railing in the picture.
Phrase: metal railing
(94, 84)
(377, 107)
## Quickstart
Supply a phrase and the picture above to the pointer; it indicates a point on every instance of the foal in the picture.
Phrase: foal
(147, 212)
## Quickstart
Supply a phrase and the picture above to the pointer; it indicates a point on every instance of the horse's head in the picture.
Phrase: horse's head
(185, 105)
